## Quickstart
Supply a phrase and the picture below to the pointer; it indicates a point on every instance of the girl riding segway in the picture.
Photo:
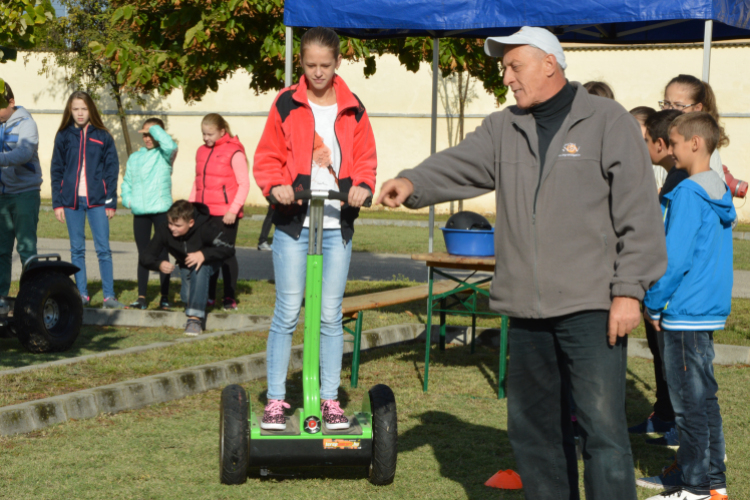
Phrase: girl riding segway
(318, 136)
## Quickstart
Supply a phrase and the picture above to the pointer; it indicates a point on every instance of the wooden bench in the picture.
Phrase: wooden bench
(354, 307)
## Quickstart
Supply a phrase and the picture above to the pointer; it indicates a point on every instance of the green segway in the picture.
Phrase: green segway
(371, 439)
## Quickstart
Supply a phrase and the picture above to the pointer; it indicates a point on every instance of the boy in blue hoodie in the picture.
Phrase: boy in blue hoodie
(688, 303)
(20, 182)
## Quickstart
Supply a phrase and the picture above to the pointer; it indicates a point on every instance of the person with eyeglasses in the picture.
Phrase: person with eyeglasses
(147, 191)
(688, 94)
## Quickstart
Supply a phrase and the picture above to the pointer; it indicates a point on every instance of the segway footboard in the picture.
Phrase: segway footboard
(298, 447)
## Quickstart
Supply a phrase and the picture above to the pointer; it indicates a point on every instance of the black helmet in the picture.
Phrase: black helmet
(468, 220)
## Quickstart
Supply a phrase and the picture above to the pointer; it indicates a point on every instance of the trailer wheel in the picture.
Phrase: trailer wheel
(234, 435)
(384, 435)
(48, 313)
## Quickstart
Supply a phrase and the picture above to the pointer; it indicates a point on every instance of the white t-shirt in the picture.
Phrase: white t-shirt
(324, 172)
(660, 174)
(717, 166)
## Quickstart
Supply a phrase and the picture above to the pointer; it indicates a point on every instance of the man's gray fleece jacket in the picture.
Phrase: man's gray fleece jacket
(19, 157)
(594, 229)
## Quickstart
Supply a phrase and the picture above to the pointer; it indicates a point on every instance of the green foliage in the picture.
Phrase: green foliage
(18, 18)
(74, 42)
(193, 45)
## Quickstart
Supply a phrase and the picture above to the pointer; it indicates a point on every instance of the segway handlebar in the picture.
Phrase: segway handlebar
(309, 194)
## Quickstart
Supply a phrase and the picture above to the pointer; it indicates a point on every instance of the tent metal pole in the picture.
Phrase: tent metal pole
(289, 57)
(433, 123)
(707, 35)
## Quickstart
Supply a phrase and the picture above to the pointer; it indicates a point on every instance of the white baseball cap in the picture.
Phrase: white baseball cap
(540, 38)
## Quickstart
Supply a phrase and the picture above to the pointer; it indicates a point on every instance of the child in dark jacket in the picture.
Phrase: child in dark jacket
(688, 303)
(199, 245)
(84, 184)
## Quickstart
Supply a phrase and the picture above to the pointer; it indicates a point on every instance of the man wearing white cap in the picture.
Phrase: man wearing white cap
(578, 241)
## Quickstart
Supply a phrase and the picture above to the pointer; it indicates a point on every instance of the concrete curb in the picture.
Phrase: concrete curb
(740, 235)
(138, 393)
(168, 319)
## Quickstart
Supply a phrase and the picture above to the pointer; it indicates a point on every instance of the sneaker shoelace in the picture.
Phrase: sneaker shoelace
(275, 409)
(672, 469)
(332, 411)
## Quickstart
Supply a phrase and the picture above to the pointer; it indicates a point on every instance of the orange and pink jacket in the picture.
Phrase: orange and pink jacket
(284, 154)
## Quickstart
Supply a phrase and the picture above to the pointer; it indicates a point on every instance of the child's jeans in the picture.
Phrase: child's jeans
(290, 269)
(688, 357)
(99, 224)
(194, 290)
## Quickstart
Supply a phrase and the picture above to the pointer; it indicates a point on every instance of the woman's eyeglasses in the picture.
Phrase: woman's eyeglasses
(675, 105)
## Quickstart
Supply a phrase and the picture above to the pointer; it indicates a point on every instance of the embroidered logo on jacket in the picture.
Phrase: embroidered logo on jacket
(570, 150)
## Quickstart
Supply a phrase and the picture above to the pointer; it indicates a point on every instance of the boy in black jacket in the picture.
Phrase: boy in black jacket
(199, 246)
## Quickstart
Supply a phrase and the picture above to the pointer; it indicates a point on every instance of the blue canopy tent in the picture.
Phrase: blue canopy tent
(581, 21)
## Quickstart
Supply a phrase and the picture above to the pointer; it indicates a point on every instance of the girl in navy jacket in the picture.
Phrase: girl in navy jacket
(84, 183)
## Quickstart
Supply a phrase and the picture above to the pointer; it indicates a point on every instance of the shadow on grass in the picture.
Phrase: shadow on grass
(91, 339)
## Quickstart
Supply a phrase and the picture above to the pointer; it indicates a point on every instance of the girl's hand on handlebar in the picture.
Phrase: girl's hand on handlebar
(357, 196)
(284, 195)
(60, 214)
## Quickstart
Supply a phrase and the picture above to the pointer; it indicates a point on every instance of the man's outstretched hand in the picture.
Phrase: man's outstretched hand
(395, 192)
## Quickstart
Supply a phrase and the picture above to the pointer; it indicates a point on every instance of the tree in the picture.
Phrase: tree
(193, 45)
(69, 39)
(17, 21)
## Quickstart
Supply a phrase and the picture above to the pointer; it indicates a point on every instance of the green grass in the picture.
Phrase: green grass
(91, 340)
(742, 255)
(451, 440)
(55, 380)
(374, 239)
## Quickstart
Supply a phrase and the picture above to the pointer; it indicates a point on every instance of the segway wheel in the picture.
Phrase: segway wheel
(234, 435)
(48, 313)
(384, 435)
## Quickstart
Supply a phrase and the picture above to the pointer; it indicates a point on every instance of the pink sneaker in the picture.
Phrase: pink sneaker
(333, 415)
(273, 416)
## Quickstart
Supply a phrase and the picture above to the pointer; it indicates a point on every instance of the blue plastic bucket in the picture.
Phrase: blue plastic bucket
(469, 242)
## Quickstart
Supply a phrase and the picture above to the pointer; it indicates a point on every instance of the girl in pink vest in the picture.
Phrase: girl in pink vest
(222, 182)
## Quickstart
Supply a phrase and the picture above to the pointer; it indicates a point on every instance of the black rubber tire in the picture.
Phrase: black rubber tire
(234, 435)
(48, 313)
(384, 435)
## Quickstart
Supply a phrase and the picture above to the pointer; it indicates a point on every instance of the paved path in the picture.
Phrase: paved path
(255, 265)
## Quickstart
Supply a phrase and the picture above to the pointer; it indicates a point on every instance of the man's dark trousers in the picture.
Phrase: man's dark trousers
(19, 216)
(575, 347)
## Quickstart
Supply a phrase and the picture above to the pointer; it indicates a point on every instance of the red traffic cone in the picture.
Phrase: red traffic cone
(505, 480)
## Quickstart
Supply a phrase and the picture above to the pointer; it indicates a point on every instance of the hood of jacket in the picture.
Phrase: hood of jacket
(19, 114)
(201, 215)
(702, 186)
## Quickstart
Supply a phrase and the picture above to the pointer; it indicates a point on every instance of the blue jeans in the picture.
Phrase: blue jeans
(550, 359)
(688, 357)
(99, 224)
(290, 267)
(194, 288)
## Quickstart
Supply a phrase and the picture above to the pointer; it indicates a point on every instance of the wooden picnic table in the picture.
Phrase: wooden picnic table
(464, 295)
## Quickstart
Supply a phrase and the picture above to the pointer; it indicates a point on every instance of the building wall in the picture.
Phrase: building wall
(399, 103)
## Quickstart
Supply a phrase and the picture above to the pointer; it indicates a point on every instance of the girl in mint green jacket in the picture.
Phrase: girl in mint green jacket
(147, 191)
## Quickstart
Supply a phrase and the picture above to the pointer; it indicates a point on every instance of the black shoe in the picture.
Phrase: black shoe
(138, 304)
(164, 303)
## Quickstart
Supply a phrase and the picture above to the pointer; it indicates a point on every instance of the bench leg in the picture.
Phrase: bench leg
(428, 333)
(503, 371)
(355, 351)
(442, 325)
(473, 331)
